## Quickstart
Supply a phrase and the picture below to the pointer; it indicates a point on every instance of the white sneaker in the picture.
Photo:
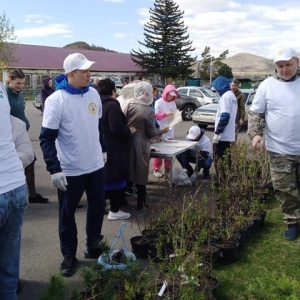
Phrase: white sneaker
(120, 215)
(157, 174)
(107, 208)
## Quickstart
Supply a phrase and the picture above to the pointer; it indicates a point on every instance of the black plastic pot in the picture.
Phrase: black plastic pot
(242, 239)
(209, 253)
(249, 229)
(256, 224)
(208, 284)
(228, 251)
(262, 220)
(140, 246)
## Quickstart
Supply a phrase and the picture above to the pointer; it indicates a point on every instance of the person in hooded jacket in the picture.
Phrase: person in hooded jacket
(165, 107)
(117, 136)
(225, 121)
(46, 90)
(74, 151)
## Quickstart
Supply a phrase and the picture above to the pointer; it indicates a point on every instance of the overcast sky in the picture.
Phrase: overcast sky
(241, 26)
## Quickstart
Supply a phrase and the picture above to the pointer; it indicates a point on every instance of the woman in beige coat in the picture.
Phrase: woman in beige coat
(140, 118)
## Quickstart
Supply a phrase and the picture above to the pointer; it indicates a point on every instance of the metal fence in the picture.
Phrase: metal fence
(30, 93)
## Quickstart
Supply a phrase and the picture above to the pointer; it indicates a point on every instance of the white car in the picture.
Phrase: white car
(205, 115)
(202, 94)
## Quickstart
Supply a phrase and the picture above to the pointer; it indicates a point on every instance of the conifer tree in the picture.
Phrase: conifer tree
(210, 64)
(167, 42)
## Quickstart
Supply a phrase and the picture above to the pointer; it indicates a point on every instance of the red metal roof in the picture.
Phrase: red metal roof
(47, 58)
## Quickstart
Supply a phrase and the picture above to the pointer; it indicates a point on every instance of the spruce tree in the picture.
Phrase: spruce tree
(167, 43)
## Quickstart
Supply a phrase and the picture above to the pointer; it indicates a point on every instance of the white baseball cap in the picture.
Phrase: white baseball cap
(76, 61)
(172, 93)
(285, 54)
(193, 132)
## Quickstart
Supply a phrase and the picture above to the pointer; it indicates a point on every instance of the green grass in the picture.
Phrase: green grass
(267, 267)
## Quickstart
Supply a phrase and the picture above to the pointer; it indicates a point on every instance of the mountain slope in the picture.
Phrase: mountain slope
(246, 64)
(86, 46)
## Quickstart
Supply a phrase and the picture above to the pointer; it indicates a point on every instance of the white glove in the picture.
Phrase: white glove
(104, 154)
(59, 181)
(216, 139)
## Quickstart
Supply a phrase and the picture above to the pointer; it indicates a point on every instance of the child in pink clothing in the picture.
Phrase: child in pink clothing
(164, 107)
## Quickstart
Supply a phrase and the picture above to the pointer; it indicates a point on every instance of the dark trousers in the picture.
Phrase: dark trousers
(93, 185)
(115, 196)
(220, 149)
(204, 162)
(141, 194)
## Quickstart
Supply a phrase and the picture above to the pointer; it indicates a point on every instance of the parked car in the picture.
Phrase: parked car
(202, 94)
(205, 115)
(37, 102)
(187, 106)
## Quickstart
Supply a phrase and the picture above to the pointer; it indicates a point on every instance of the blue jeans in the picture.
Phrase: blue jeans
(93, 185)
(12, 207)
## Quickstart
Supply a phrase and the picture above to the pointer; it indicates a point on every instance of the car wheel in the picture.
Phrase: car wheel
(187, 113)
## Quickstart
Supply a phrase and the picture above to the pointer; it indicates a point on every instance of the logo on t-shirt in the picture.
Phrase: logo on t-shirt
(92, 108)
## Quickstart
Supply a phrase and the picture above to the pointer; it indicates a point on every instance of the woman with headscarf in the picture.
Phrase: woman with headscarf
(141, 117)
(46, 90)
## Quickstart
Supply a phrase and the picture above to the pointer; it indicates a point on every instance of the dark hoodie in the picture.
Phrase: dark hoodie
(221, 84)
(48, 136)
(46, 91)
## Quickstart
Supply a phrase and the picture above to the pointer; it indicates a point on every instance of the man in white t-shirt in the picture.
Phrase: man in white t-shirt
(13, 203)
(75, 153)
(224, 123)
(205, 155)
(276, 107)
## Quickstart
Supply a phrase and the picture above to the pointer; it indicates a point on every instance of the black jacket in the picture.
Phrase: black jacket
(117, 137)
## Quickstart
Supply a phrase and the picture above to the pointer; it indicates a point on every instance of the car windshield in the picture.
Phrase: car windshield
(208, 93)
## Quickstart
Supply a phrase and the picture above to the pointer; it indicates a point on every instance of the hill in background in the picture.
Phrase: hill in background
(249, 65)
(86, 46)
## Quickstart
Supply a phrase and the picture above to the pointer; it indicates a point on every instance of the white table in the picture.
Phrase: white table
(170, 150)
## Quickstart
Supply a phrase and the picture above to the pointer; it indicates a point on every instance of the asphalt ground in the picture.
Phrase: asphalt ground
(40, 251)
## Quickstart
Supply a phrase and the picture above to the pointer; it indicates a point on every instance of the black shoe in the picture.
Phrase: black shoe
(69, 266)
(19, 287)
(92, 253)
(38, 199)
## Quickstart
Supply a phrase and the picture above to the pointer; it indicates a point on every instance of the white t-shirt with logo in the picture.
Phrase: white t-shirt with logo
(227, 104)
(280, 101)
(11, 169)
(77, 118)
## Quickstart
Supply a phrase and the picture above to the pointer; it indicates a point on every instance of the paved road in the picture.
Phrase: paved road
(40, 253)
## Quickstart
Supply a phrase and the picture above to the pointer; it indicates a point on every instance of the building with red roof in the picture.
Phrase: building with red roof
(38, 62)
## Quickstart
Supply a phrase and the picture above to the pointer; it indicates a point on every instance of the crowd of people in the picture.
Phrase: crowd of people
(111, 149)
